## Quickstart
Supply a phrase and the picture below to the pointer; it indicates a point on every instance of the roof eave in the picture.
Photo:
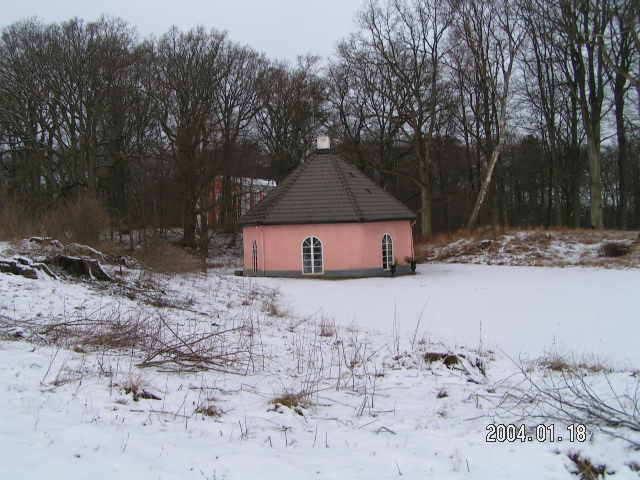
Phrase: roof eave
(257, 223)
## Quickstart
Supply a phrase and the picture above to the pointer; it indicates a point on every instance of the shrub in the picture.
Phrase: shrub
(16, 220)
(81, 219)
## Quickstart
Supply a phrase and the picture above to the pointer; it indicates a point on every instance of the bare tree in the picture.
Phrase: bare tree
(366, 101)
(492, 33)
(408, 36)
(236, 105)
(620, 36)
(188, 75)
(582, 25)
(292, 109)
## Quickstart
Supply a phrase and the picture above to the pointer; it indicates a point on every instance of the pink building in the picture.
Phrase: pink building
(327, 219)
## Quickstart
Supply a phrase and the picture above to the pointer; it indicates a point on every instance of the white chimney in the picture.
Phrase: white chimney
(323, 143)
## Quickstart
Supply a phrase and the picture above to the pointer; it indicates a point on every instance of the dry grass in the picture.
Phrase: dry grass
(534, 247)
(585, 469)
(80, 219)
(15, 220)
(327, 328)
(209, 410)
(135, 386)
(292, 400)
(448, 359)
(163, 257)
(558, 363)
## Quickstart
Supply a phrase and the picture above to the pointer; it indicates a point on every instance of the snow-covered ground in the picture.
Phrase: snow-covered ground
(377, 409)
(518, 310)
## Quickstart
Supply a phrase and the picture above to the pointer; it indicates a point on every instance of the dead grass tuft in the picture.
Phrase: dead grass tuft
(292, 400)
(209, 411)
(135, 387)
(558, 363)
(327, 328)
(585, 469)
(448, 359)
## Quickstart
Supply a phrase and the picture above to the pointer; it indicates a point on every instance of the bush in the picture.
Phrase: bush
(16, 221)
(82, 219)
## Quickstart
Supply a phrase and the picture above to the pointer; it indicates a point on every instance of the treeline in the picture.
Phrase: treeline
(89, 109)
(513, 113)
(502, 107)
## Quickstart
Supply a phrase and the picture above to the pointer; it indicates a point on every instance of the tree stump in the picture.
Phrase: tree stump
(82, 267)
(24, 267)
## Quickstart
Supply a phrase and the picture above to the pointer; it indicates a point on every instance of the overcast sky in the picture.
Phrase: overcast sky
(281, 28)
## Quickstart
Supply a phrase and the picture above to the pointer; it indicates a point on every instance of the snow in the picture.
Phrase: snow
(66, 416)
(518, 310)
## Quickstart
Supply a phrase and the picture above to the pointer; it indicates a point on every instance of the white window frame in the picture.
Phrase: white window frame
(313, 272)
(389, 249)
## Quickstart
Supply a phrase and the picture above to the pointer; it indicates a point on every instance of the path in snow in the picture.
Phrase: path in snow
(522, 310)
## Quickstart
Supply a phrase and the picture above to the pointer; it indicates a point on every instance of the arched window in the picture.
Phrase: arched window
(254, 256)
(312, 256)
(387, 251)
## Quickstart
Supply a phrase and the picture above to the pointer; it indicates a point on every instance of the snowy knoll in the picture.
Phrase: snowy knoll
(193, 376)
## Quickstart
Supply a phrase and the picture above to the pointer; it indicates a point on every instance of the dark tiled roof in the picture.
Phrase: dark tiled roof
(326, 189)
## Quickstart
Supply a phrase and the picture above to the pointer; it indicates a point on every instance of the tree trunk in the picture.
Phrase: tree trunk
(204, 226)
(484, 189)
(555, 188)
(424, 175)
(593, 151)
(622, 150)
(188, 219)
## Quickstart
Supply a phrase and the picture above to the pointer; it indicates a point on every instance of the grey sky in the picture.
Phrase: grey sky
(280, 28)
